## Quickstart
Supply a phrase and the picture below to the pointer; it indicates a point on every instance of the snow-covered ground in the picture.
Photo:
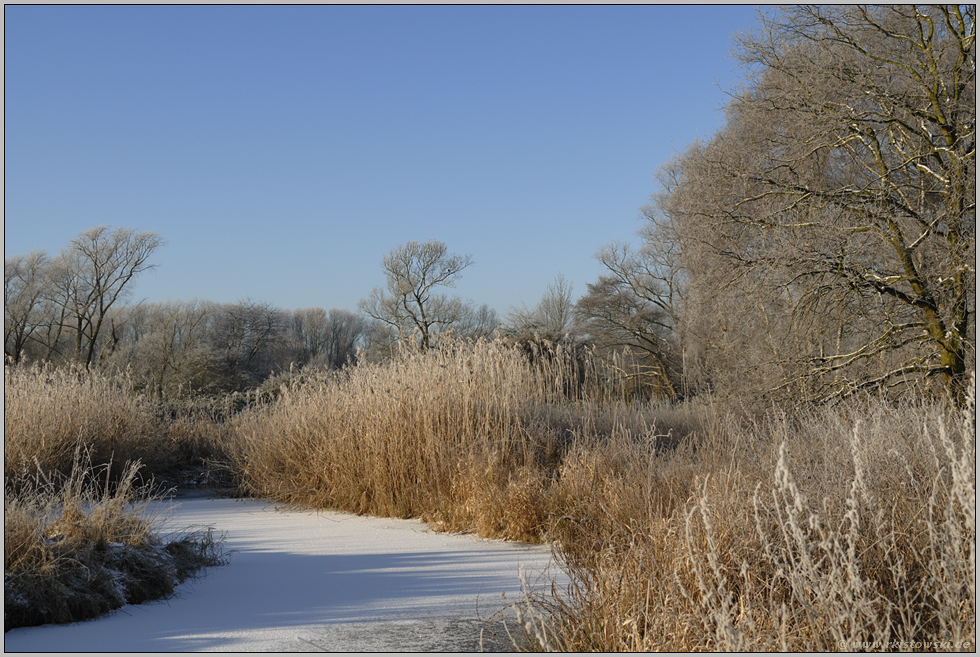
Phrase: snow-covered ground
(303, 581)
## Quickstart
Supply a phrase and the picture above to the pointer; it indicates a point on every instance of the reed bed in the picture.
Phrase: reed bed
(466, 436)
(682, 526)
(81, 450)
(850, 529)
(49, 413)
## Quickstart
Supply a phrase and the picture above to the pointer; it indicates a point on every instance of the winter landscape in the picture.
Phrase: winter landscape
(254, 402)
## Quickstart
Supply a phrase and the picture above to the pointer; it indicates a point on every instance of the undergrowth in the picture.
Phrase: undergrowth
(850, 529)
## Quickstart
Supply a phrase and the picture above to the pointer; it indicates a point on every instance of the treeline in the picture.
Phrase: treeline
(69, 309)
(822, 243)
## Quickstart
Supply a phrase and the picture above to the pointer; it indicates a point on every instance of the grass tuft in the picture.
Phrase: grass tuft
(78, 548)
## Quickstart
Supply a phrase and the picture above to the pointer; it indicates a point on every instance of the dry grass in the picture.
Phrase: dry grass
(49, 413)
(682, 526)
(456, 435)
(80, 452)
(468, 436)
(79, 546)
(847, 529)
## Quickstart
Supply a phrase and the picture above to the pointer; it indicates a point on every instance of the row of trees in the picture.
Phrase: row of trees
(198, 347)
(821, 243)
(71, 308)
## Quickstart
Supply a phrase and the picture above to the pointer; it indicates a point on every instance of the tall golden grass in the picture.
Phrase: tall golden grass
(682, 526)
(50, 412)
(78, 541)
(842, 529)
(467, 436)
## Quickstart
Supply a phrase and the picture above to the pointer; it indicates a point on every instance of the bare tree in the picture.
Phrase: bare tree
(346, 331)
(165, 345)
(478, 322)
(247, 338)
(311, 331)
(837, 208)
(409, 303)
(24, 286)
(551, 319)
(632, 310)
(92, 274)
(555, 311)
(381, 343)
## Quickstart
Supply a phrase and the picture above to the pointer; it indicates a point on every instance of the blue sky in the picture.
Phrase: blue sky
(282, 151)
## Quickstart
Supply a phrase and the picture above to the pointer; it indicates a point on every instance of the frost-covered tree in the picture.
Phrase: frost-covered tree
(410, 303)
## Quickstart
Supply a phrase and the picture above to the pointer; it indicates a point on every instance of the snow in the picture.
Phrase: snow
(303, 581)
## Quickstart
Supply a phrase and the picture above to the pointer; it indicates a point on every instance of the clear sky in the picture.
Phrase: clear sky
(282, 151)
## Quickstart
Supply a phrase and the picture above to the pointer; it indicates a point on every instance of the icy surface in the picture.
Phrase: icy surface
(302, 581)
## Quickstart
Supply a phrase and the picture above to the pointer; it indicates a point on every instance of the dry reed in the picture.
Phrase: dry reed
(682, 526)
(76, 547)
(845, 529)
(468, 436)
(51, 412)
(80, 451)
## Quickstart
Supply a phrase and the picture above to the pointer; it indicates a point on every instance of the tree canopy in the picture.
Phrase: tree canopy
(825, 237)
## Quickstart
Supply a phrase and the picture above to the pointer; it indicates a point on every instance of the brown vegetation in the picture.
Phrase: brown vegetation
(49, 413)
(76, 547)
(683, 527)
(466, 435)
(843, 529)
(78, 541)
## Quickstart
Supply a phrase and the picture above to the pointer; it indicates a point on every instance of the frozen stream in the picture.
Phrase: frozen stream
(299, 581)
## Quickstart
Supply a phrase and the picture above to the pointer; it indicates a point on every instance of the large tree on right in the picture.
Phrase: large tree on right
(838, 204)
